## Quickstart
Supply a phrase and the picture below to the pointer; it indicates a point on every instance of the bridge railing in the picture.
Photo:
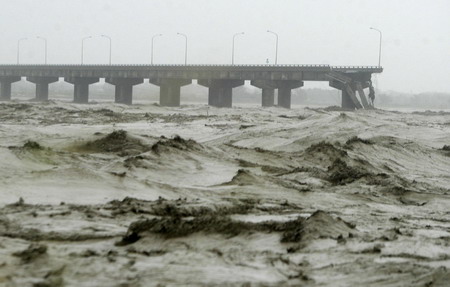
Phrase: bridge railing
(358, 68)
(159, 65)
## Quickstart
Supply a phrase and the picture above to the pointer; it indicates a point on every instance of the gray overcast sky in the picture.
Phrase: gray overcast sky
(416, 34)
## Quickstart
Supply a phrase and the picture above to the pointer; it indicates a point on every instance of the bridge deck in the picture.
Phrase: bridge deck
(240, 72)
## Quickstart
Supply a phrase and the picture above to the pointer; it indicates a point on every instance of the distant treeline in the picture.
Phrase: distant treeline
(420, 101)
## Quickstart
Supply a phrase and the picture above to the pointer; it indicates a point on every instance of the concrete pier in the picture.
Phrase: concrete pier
(347, 101)
(81, 88)
(169, 93)
(5, 84)
(285, 91)
(124, 88)
(284, 87)
(267, 97)
(220, 93)
(268, 92)
(42, 86)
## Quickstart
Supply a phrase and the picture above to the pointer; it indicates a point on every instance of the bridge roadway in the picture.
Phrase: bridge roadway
(219, 79)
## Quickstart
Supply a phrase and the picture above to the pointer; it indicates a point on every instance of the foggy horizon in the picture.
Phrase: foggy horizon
(415, 52)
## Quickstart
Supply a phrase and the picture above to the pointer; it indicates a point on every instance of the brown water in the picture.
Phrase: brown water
(146, 196)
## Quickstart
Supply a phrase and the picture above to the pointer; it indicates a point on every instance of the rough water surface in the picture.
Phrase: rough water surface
(111, 195)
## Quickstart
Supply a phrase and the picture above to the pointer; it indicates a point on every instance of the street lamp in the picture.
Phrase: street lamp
(110, 46)
(45, 41)
(276, 47)
(232, 49)
(82, 47)
(379, 52)
(18, 48)
(185, 48)
(153, 38)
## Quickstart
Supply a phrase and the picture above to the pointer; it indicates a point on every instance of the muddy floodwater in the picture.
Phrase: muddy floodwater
(143, 195)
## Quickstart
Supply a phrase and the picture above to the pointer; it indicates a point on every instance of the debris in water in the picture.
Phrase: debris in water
(325, 148)
(319, 225)
(243, 177)
(117, 142)
(341, 173)
(32, 145)
(356, 139)
(33, 251)
(177, 142)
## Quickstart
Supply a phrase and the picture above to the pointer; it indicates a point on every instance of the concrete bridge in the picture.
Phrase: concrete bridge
(219, 79)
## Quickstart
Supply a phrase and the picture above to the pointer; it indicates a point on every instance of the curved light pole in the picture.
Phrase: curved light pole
(153, 38)
(110, 46)
(232, 49)
(379, 51)
(82, 47)
(45, 41)
(185, 48)
(276, 46)
(18, 48)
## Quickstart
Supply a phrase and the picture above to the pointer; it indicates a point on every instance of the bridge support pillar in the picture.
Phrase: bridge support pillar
(124, 88)
(267, 97)
(42, 86)
(81, 88)
(347, 102)
(285, 88)
(284, 91)
(5, 84)
(220, 93)
(170, 90)
(268, 91)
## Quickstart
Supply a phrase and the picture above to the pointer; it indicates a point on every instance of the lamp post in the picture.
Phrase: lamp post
(82, 47)
(379, 51)
(276, 46)
(110, 46)
(153, 38)
(185, 48)
(45, 42)
(18, 48)
(232, 49)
